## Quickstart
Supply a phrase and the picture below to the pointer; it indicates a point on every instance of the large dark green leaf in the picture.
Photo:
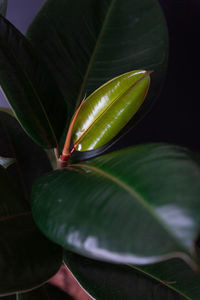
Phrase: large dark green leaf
(88, 42)
(172, 280)
(46, 292)
(3, 7)
(29, 88)
(27, 258)
(139, 205)
(31, 160)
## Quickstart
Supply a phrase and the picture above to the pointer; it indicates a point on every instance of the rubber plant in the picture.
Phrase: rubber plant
(125, 223)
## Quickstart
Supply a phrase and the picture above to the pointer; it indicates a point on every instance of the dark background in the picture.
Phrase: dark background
(175, 117)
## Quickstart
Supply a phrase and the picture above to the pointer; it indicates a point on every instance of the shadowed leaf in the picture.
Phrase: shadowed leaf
(31, 160)
(29, 88)
(27, 258)
(172, 279)
(46, 292)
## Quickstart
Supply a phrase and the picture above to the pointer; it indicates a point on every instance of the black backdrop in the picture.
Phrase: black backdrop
(175, 118)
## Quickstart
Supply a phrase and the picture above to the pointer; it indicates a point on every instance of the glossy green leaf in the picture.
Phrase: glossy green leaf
(31, 160)
(29, 88)
(3, 7)
(27, 258)
(139, 205)
(106, 111)
(172, 279)
(86, 47)
(46, 292)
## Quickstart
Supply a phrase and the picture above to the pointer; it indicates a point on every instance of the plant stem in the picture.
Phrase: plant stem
(66, 153)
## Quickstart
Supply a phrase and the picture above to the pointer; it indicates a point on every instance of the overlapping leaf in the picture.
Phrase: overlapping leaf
(29, 88)
(88, 46)
(172, 280)
(27, 258)
(139, 205)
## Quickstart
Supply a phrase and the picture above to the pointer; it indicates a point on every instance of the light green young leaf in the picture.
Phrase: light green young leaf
(106, 111)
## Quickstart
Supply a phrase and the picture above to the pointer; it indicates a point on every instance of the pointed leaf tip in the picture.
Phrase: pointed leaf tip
(107, 110)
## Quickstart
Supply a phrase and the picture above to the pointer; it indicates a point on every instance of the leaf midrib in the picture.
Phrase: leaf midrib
(135, 194)
(123, 93)
(159, 280)
(83, 85)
